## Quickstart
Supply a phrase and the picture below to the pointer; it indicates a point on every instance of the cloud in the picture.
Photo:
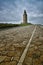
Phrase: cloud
(12, 10)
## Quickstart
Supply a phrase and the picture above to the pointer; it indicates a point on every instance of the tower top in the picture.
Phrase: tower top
(24, 11)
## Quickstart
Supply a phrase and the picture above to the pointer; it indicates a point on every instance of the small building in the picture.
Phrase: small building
(24, 17)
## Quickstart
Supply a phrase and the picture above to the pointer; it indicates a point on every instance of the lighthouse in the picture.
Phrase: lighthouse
(24, 17)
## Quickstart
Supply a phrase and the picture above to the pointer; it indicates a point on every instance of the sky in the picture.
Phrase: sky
(12, 11)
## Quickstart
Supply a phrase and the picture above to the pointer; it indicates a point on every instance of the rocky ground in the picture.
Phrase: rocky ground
(12, 44)
(35, 52)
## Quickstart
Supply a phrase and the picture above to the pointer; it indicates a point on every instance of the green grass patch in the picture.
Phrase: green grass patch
(25, 24)
(12, 25)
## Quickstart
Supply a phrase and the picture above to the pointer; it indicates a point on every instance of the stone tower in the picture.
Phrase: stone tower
(24, 17)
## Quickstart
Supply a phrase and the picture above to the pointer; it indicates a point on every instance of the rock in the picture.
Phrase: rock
(9, 63)
(11, 53)
(35, 47)
(2, 48)
(41, 58)
(24, 42)
(31, 49)
(32, 45)
(41, 48)
(7, 59)
(41, 38)
(12, 58)
(38, 43)
(4, 53)
(28, 61)
(16, 58)
(2, 58)
(36, 54)
(36, 62)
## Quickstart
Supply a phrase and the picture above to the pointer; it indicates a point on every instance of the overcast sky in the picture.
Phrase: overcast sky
(12, 10)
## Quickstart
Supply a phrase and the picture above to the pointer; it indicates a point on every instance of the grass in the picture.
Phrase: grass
(25, 24)
(8, 25)
(12, 25)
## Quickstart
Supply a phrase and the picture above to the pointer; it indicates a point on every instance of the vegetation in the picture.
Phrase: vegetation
(8, 25)
(25, 24)
(12, 25)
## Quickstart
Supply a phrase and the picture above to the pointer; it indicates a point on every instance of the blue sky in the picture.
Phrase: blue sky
(12, 10)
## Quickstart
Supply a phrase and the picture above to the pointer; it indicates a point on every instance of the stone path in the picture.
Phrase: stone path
(26, 49)
(35, 52)
(12, 44)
